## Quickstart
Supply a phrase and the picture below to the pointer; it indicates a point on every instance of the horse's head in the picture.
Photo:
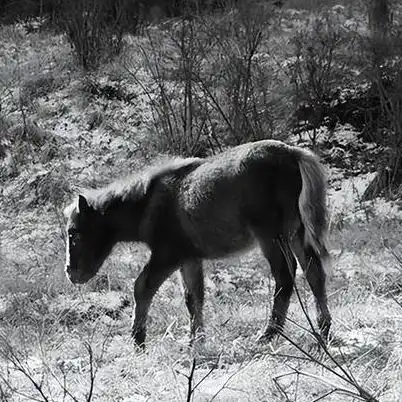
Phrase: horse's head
(89, 241)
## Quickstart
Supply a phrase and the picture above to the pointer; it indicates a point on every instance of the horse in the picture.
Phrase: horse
(263, 193)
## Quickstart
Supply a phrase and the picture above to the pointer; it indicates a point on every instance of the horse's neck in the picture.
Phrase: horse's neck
(124, 217)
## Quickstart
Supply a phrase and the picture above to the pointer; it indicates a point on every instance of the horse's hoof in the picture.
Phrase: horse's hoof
(267, 336)
(197, 339)
(265, 339)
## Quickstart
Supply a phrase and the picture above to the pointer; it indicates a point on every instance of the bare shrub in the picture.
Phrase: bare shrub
(379, 16)
(383, 56)
(209, 87)
(94, 29)
(237, 82)
(319, 69)
(171, 60)
(42, 379)
(179, 111)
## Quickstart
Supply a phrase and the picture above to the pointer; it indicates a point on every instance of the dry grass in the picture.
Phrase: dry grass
(56, 333)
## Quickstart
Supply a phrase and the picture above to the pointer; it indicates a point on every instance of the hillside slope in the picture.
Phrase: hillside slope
(62, 130)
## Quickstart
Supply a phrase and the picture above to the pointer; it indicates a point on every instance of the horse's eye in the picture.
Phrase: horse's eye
(74, 237)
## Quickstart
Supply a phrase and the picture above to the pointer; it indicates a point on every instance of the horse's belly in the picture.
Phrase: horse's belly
(220, 242)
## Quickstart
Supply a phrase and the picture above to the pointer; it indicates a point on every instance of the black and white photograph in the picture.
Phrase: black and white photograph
(201, 200)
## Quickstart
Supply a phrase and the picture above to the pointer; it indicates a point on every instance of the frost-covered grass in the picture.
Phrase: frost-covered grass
(54, 332)
(54, 337)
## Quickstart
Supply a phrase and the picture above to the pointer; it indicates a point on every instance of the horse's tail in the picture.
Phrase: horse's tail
(312, 202)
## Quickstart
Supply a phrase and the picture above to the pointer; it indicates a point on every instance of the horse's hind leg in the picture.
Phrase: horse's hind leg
(311, 264)
(193, 281)
(146, 285)
(283, 267)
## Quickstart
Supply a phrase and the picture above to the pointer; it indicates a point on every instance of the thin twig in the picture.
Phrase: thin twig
(190, 377)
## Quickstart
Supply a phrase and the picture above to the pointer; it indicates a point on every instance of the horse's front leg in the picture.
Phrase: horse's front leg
(146, 285)
(193, 281)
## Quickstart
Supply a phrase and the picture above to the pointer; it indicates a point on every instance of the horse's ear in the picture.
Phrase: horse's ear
(83, 206)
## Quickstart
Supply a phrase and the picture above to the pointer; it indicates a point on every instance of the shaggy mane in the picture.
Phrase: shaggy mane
(136, 185)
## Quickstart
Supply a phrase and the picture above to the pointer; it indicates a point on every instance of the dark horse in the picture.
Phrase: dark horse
(263, 192)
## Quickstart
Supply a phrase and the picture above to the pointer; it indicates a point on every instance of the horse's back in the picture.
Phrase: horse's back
(229, 174)
(221, 200)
